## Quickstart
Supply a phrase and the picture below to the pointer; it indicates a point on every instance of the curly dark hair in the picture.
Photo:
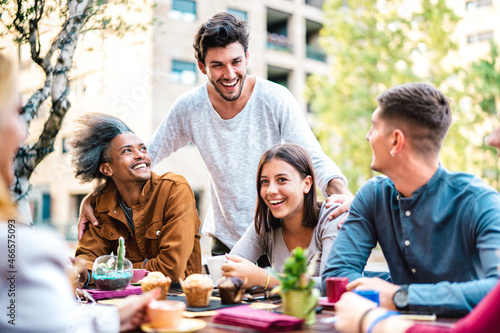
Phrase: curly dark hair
(221, 30)
(423, 109)
(91, 144)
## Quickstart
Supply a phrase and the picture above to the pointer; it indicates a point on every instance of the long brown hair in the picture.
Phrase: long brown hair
(300, 160)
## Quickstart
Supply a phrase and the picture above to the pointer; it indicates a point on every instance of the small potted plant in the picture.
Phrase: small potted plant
(299, 297)
(113, 272)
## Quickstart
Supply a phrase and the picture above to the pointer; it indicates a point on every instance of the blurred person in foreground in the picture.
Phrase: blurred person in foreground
(36, 293)
(357, 314)
(155, 214)
(438, 230)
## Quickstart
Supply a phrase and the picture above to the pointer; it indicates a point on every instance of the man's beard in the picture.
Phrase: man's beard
(233, 98)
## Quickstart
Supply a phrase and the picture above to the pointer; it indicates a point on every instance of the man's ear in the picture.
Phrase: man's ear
(105, 169)
(307, 184)
(202, 67)
(247, 57)
(398, 140)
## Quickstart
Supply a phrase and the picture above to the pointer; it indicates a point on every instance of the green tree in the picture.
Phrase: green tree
(52, 29)
(373, 48)
(476, 117)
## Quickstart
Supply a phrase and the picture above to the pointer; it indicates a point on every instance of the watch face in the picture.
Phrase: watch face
(400, 298)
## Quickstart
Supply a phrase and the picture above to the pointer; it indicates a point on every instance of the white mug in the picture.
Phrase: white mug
(214, 267)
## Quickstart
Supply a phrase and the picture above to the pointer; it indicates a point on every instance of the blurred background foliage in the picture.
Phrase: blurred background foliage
(376, 46)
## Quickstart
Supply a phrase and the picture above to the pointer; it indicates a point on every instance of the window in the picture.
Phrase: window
(65, 145)
(183, 72)
(183, 10)
(483, 3)
(315, 3)
(46, 202)
(278, 75)
(480, 37)
(277, 30)
(313, 49)
(238, 13)
(471, 5)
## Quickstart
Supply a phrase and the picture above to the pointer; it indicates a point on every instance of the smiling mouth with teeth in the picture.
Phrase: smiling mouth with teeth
(276, 202)
(229, 85)
(140, 166)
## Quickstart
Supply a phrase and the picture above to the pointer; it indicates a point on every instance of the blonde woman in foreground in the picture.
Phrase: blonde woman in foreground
(37, 295)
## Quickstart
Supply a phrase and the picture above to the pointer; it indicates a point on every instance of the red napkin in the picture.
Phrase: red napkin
(101, 294)
(261, 320)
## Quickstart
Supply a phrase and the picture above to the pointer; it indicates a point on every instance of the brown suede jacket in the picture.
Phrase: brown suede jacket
(166, 228)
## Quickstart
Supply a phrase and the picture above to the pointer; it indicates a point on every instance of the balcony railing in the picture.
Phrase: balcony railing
(278, 42)
(314, 52)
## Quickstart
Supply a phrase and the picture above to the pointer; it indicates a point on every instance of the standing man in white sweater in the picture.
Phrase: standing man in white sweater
(232, 119)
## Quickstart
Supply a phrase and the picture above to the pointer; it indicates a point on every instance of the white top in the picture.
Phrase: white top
(251, 246)
(231, 149)
(37, 288)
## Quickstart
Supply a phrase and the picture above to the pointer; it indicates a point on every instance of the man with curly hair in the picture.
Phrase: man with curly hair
(155, 214)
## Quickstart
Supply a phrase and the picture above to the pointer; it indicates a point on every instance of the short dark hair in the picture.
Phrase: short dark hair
(423, 109)
(91, 145)
(298, 158)
(221, 30)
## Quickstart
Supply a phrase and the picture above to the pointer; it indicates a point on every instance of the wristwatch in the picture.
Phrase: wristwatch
(400, 298)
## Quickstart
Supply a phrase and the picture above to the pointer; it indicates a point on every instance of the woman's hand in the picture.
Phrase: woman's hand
(78, 272)
(349, 310)
(243, 268)
(352, 308)
(133, 309)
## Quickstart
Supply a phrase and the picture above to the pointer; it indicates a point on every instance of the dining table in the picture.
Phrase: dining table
(323, 323)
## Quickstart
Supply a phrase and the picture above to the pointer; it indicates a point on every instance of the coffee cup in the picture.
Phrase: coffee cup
(165, 314)
(214, 267)
(139, 274)
(335, 287)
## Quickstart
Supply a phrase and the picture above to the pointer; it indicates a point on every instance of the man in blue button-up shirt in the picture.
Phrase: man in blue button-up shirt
(438, 230)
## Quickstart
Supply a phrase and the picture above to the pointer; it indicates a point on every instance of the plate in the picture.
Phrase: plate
(323, 301)
(187, 325)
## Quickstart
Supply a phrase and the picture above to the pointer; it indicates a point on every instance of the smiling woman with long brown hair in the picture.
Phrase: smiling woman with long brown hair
(287, 216)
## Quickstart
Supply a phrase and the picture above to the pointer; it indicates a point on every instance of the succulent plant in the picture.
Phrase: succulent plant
(121, 254)
(296, 272)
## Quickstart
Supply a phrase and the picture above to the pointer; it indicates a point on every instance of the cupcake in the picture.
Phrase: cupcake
(156, 280)
(231, 290)
(198, 289)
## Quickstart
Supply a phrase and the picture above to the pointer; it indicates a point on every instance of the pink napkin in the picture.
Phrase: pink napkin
(100, 294)
(262, 320)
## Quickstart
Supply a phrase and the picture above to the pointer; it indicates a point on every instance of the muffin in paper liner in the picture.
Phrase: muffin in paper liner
(198, 289)
(156, 280)
(231, 289)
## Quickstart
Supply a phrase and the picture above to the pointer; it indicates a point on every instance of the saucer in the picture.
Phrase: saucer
(187, 325)
(323, 301)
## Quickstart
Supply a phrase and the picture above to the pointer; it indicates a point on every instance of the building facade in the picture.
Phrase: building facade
(139, 77)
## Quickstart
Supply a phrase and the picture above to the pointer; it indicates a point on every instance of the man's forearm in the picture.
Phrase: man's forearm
(337, 186)
(446, 298)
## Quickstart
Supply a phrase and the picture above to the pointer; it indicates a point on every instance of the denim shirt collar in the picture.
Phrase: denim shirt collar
(427, 186)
